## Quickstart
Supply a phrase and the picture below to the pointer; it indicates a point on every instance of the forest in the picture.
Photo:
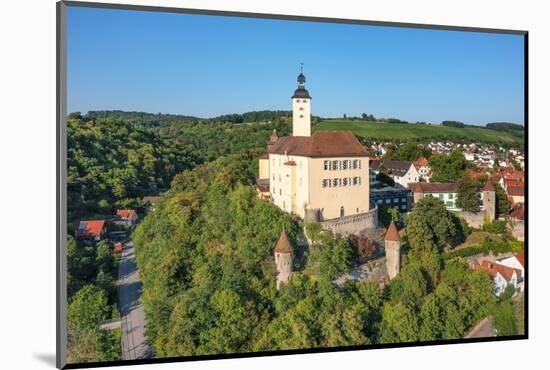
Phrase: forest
(206, 259)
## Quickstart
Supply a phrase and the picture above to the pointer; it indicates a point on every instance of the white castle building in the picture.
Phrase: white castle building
(320, 177)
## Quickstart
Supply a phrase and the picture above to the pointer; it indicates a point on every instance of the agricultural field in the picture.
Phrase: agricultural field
(393, 131)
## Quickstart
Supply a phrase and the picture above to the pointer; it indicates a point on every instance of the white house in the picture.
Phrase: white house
(501, 275)
(516, 262)
(402, 172)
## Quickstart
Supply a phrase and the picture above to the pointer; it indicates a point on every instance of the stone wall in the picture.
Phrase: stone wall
(352, 224)
(518, 230)
(473, 219)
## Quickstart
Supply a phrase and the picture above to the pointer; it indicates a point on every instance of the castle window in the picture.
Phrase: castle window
(326, 165)
(335, 165)
(280, 192)
(297, 100)
(450, 195)
(335, 182)
(345, 165)
(359, 164)
(301, 108)
(301, 116)
(355, 164)
(324, 183)
(341, 211)
(345, 182)
(357, 210)
(395, 200)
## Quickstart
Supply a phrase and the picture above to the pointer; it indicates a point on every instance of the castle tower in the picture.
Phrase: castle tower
(392, 244)
(489, 200)
(284, 256)
(301, 109)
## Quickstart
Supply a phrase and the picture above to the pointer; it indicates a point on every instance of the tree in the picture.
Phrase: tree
(504, 320)
(502, 201)
(399, 324)
(468, 195)
(449, 167)
(430, 225)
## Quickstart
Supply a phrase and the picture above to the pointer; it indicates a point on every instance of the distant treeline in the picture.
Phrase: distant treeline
(505, 126)
(159, 119)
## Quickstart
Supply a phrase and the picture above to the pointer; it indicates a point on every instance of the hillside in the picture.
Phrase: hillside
(388, 131)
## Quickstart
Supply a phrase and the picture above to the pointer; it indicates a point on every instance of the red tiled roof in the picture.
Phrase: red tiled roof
(420, 162)
(90, 228)
(433, 187)
(521, 258)
(126, 213)
(283, 245)
(488, 186)
(517, 191)
(320, 144)
(392, 234)
(476, 175)
(494, 267)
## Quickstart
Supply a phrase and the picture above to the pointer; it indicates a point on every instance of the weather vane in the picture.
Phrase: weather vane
(301, 67)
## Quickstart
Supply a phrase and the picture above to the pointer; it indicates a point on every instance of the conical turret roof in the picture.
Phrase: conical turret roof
(283, 244)
(489, 186)
(392, 234)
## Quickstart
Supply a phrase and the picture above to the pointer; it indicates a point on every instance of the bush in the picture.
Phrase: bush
(495, 227)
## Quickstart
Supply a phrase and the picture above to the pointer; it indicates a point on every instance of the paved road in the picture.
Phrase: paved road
(483, 329)
(134, 344)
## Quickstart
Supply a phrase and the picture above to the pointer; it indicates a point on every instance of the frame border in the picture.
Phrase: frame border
(61, 173)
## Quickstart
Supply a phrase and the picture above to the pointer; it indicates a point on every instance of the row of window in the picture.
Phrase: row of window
(388, 201)
(346, 181)
(346, 164)
(303, 101)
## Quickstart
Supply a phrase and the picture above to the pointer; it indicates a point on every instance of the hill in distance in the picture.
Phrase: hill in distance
(411, 131)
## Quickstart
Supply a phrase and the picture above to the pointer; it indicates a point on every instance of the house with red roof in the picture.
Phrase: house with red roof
(501, 275)
(517, 261)
(91, 230)
(128, 215)
(423, 168)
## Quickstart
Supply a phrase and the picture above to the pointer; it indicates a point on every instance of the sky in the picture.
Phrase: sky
(206, 66)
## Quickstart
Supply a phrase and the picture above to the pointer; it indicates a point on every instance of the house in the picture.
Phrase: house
(501, 275)
(516, 194)
(91, 230)
(517, 261)
(149, 202)
(423, 168)
(319, 176)
(402, 172)
(128, 215)
(262, 187)
(445, 191)
(396, 197)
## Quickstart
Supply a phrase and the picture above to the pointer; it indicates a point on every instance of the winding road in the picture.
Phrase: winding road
(134, 343)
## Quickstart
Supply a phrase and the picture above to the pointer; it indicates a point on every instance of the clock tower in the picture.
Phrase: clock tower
(301, 109)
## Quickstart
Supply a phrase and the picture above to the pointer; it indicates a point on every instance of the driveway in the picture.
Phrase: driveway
(134, 343)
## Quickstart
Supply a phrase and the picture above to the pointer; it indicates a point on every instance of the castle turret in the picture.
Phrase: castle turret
(392, 245)
(301, 109)
(284, 256)
(489, 200)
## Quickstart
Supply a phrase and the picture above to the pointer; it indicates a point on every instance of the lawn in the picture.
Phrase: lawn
(391, 131)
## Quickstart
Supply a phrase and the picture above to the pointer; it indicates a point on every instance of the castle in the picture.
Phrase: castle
(320, 177)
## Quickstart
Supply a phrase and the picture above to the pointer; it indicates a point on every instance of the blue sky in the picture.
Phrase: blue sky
(209, 65)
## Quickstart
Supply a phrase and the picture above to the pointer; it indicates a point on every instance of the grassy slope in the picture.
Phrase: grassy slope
(388, 131)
